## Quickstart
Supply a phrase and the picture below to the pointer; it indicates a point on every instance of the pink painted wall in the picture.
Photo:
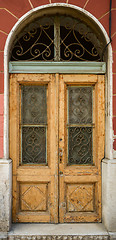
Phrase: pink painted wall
(11, 11)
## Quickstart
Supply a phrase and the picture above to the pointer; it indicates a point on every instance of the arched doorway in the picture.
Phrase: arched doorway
(73, 105)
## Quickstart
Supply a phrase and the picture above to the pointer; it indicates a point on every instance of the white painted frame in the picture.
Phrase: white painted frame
(9, 41)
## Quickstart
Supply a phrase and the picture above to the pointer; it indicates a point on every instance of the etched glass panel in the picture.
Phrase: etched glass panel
(34, 107)
(80, 105)
(80, 145)
(33, 145)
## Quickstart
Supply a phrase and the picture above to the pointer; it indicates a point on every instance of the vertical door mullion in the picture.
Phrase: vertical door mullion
(53, 147)
(57, 38)
(62, 150)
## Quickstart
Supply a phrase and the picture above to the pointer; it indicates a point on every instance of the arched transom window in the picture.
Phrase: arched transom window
(57, 38)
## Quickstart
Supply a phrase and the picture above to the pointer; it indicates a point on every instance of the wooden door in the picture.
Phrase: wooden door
(81, 144)
(56, 183)
(34, 147)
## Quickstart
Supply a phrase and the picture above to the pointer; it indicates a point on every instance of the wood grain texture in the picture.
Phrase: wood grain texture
(80, 197)
(33, 197)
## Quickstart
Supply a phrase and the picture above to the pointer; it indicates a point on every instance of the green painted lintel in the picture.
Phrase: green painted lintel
(57, 67)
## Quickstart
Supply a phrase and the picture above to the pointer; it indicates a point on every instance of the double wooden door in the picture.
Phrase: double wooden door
(56, 144)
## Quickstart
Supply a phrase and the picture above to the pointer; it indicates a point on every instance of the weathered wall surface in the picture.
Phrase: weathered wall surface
(5, 194)
(109, 194)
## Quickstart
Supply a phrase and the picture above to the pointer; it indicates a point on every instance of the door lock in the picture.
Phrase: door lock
(60, 154)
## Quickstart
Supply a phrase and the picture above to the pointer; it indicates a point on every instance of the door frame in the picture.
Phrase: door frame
(91, 68)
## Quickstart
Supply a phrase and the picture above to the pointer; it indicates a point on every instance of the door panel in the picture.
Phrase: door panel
(81, 134)
(35, 183)
(56, 156)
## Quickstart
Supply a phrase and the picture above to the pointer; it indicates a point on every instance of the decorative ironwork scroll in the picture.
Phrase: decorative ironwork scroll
(79, 117)
(33, 124)
(78, 42)
(69, 37)
(80, 145)
(37, 42)
(33, 145)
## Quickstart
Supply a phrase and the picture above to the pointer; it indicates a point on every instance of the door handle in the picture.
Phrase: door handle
(60, 172)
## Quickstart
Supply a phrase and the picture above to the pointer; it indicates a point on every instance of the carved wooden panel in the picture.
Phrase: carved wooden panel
(33, 197)
(80, 197)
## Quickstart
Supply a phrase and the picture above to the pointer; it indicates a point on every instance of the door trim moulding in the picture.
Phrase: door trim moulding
(57, 67)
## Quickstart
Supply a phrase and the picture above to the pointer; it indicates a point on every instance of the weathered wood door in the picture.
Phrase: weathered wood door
(81, 142)
(34, 147)
(56, 144)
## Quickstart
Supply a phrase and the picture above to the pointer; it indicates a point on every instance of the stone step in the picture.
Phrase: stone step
(88, 231)
(59, 237)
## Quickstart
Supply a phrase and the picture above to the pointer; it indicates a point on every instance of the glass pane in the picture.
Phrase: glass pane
(33, 145)
(34, 107)
(80, 105)
(80, 145)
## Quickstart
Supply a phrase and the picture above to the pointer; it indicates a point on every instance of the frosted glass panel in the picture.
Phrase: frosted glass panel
(34, 109)
(80, 105)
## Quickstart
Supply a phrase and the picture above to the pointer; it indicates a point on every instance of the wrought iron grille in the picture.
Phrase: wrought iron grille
(80, 145)
(80, 125)
(33, 145)
(57, 38)
(33, 124)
